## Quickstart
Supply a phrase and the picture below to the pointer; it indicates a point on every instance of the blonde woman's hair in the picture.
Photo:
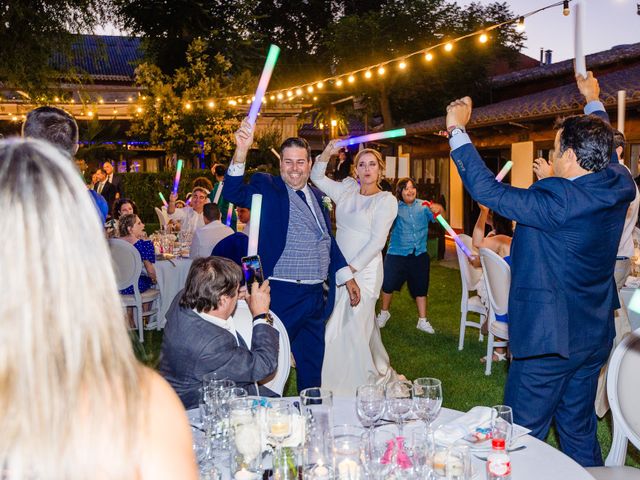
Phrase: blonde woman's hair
(379, 159)
(71, 394)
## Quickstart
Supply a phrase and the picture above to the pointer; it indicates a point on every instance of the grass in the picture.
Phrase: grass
(417, 354)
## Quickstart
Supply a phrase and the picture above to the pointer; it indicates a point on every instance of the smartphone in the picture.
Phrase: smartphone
(252, 268)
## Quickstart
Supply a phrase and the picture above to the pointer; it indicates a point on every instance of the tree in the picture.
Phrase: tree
(402, 26)
(32, 32)
(175, 110)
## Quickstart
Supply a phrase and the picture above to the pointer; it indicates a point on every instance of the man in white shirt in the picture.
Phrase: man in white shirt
(208, 236)
(190, 217)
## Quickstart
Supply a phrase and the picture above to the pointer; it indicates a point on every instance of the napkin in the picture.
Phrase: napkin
(463, 426)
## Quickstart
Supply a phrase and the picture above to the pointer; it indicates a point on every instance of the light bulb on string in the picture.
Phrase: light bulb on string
(565, 8)
(310, 89)
(483, 38)
(334, 123)
(299, 92)
(280, 96)
(402, 65)
(338, 83)
(367, 74)
(520, 25)
(381, 70)
(188, 106)
(289, 93)
(272, 97)
(351, 79)
(211, 104)
(319, 85)
(428, 56)
(448, 47)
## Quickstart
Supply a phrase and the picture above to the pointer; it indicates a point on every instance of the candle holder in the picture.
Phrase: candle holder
(245, 442)
(347, 451)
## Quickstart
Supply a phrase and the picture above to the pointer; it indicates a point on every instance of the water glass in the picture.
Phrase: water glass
(399, 401)
(427, 399)
(379, 459)
(458, 466)
(316, 407)
(420, 448)
(502, 423)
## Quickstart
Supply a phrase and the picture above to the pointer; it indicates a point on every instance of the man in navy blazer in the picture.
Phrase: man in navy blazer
(296, 247)
(563, 254)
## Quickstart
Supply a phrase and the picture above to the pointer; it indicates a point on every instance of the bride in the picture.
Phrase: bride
(354, 353)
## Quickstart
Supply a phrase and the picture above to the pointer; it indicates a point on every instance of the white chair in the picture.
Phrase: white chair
(623, 390)
(127, 266)
(497, 279)
(163, 218)
(471, 277)
(243, 322)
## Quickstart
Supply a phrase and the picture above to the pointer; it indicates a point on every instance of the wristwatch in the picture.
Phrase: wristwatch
(455, 130)
(266, 317)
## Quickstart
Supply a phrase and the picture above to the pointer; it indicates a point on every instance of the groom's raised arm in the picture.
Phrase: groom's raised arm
(235, 190)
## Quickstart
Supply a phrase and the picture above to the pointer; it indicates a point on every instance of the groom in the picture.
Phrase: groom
(297, 250)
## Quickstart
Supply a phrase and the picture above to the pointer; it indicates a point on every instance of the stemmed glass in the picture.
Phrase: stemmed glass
(427, 400)
(369, 405)
(399, 401)
(279, 419)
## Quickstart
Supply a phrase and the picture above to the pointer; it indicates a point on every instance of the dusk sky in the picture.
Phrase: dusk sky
(610, 22)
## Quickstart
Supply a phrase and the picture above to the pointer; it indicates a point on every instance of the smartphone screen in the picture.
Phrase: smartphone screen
(252, 269)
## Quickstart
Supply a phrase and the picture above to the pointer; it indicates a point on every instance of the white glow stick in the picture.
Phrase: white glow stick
(216, 197)
(503, 173)
(622, 100)
(254, 224)
(580, 62)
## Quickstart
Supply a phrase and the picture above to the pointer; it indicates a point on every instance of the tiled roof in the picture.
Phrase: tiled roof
(617, 54)
(548, 103)
(103, 57)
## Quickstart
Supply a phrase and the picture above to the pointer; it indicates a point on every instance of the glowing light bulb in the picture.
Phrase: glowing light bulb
(428, 56)
(280, 96)
(448, 47)
(483, 38)
(402, 65)
(334, 123)
(310, 89)
(351, 79)
(520, 25)
(211, 104)
(272, 97)
(289, 93)
(299, 91)
(381, 70)
(367, 74)
(319, 85)
(338, 83)
(187, 106)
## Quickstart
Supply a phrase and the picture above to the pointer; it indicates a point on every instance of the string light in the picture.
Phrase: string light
(299, 91)
(381, 70)
(188, 106)
(351, 79)
(334, 123)
(338, 83)
(280, 96)
(448, 46)
(520, 25)
(289, 93)
(319, 85)
(565, 8)
(483, 38)
(139, 110)
(428, 56)
(272, 97)
(211, 104)
(402, 65)
(310, 89)
(367, 74)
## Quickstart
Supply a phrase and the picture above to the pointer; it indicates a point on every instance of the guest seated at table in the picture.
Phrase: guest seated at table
(122, 206)
(497, 240)
(200, 336)
(131, 229)
(190, 217)
(76, 404)
(207, 237)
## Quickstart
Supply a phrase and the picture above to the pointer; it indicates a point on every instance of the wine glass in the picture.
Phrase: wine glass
(369, 405)
(279, 419)
(502, 423)
(399, 401)
(427, 400)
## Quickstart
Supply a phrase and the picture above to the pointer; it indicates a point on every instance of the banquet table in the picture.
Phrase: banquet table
(171, 276)
(538, 460)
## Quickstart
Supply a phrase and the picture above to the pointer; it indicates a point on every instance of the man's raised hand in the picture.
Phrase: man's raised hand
(459, 112)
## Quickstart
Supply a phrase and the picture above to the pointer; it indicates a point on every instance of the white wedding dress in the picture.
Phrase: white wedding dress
(354, 353)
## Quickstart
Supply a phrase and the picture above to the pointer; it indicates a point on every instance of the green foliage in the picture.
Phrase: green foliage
(30, 32)
(172, 118)
(143, 188)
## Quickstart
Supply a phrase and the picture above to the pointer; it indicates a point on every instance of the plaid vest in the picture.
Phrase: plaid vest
(306, 254)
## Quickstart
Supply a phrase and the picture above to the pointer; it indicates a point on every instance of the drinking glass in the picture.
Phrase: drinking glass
(420, 449)
(458, 466)
(279, 426)
(347, 449)
(399, 401)
(316, 407)
(427, 400)
(369, 405)
(379, 448)
(502, 423)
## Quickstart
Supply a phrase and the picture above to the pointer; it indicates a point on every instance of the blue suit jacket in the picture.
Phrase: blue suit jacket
(563, 253)
(274, 222)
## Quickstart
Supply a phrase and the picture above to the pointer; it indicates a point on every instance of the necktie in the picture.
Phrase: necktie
(303, 197)
(101, 185)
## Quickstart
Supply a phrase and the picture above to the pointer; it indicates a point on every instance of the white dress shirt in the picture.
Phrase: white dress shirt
(207, 237)
(219, 322)
(188, 217)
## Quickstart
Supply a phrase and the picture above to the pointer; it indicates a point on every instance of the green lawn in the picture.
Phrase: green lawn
(417, 354)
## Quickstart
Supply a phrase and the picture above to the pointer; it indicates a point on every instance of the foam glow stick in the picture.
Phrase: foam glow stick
(269, 65)
(400, 132)
(622, 100)
(580, 62)
(164, 201)
(176, 181)
(254, 224)
(216, 197)
(229, 214)
(503, 173)
(450, 231)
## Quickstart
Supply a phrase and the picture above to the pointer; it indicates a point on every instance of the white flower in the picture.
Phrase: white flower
(247, 438)
(326, 203)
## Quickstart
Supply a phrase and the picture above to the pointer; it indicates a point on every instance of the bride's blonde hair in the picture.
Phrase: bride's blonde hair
(71, 393)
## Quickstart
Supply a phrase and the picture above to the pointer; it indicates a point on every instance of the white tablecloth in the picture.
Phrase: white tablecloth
(171, 277)
(538, 461)
(626, 293)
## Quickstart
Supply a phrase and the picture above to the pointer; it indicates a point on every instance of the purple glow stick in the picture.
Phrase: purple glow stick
(269, 65)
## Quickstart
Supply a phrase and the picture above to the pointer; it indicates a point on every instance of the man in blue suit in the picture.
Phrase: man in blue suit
(296, 247)
(563, 254)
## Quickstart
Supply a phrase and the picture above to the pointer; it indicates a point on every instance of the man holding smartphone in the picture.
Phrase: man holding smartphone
(297, 248)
